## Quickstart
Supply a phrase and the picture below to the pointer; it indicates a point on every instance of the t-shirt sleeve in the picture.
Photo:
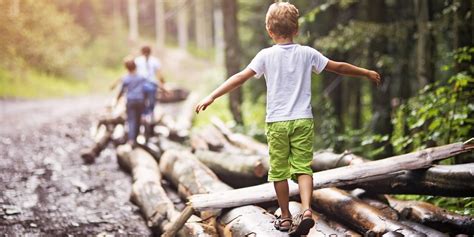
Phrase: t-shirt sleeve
(318, 61)
(257, 64)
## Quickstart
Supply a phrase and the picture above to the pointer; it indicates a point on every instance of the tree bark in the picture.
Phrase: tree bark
(374, 170)
(424, 66)
(234, 169)
(321, 227)
(439, 180)
(247, 221)
(100, 143)
(240, 140)
(182, 23)
(132, 21)
(232, 55)
(433, 216)
(150, 196)
(357, 214)
(160, 27)
(325, 160)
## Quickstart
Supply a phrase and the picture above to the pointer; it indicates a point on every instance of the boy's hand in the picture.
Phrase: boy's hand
(204, 103)
(374, 76)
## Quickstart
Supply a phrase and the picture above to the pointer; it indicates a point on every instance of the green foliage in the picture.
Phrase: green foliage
(39, 36)
(439, 114)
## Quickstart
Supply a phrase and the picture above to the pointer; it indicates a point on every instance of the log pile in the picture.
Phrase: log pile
(223, 176)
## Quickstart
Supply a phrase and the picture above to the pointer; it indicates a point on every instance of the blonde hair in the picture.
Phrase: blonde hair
(282, 19)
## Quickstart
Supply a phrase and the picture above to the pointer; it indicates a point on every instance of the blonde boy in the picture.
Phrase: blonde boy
(287, 68)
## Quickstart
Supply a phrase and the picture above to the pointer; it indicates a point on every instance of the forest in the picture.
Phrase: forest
(423, 50)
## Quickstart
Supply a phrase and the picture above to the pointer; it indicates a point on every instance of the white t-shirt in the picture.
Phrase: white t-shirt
(147, 68)
(287, 70)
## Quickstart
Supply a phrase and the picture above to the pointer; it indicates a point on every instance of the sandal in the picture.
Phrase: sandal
(301, 224)
(279, 221)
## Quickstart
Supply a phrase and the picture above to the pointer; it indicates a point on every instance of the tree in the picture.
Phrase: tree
(182, 23)
(232, 54)
(424, 43)
(160, 29)
(133, 20)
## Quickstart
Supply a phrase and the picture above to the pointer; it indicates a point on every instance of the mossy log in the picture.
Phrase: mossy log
(357, 214)
(433, 216)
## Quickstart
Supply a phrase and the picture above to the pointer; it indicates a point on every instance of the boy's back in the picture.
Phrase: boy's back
(287, 69)
(133, 84)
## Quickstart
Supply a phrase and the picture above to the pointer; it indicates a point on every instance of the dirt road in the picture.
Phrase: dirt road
(45, 188)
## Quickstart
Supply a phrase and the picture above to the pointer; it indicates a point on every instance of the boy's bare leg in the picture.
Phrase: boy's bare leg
(282, 192)
(305, 183)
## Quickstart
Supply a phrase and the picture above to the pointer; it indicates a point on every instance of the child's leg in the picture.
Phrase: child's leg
(305, 183)
(282, 192)
(301, 155)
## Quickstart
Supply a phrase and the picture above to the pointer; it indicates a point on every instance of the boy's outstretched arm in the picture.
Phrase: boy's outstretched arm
(347, 69)
(233, 82)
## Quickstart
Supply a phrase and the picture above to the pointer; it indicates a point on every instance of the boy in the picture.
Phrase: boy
(287, 68)
(133, 84)
(150, 68)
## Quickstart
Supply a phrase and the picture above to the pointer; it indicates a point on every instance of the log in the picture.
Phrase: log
(321, 227)
(240, 140)
(381, 203)
(100, 142)
(119, 136)
(439, 180)
(373, 170)
(181, 128)
(149, 195)
(248, 221)
(173, 95)
(357, 214)
(234, 169)
(326, 160)
(190, 177)
(433, 216)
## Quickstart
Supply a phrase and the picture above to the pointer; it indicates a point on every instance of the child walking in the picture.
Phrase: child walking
(287, 68)
(133, 84)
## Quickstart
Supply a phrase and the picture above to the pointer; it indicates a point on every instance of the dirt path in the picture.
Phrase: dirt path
(44, 186)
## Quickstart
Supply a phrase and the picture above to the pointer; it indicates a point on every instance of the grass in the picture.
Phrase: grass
(31, 84)
(463, 206)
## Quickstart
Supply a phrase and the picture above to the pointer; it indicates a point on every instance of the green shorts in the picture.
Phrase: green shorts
(291, 148)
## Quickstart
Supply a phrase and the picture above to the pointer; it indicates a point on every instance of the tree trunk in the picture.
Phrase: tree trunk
(232, 55)
(321, 228)
(374, 170)
(15, 8)
(160, 27)
(203, 24)
(219, 43)
(149, 195)
(359, 215)
(424, 67)
(439, 180)
(182, 23)
(234, 169)
(433, 216)
(132, 21)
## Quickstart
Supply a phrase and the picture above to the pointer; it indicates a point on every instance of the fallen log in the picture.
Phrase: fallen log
(234, 169)
(100, 142)
(326, 160)
(191, 177)
(321, 227)
(439, 180)
(240, 140)
(119, 136)
(433, 216)
(173, 95)
(248, 221)
(149, 195)
(181, 128)
(373, 170)
(357, 214)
